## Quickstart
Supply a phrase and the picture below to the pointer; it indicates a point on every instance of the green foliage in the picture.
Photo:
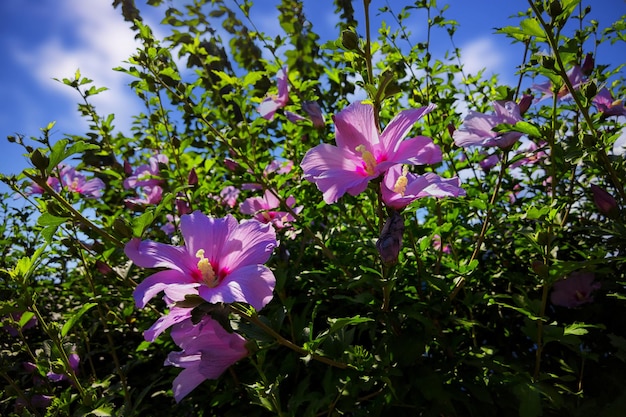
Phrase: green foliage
(463, 324)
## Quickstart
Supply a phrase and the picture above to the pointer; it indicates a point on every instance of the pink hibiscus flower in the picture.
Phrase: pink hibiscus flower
(477, 128)
(221, 261)
(575, 76)
(362, 153)
(270, 104)
(262, 208)
(574, 290)
(400, 187)
(208, 350)
(604, 103)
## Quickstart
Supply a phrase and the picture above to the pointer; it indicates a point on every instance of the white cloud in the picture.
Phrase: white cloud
(481, 53)
(90, 36)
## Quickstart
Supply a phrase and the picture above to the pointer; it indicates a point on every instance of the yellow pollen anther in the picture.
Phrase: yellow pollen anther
(401, 182)
(205, 268)
(368, 158)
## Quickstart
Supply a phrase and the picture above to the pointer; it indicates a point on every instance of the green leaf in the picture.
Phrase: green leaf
(527, 128)
(72, 321)
(337, 324)
(59, 153)
(47, 219)
(141, 223)
(532, 27)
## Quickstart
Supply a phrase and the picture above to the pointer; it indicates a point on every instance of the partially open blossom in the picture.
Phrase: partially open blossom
(575, 76)
(574, 290)
(362, 153)
(489, 162)
(313, 109)
(271, 103)
(588, 64)
(221, 261)
(524, 103)
(400, 187)
(208, 350)
(53, 182)
(604, 201)
(477, 128)
(605, 104)
(263, 209)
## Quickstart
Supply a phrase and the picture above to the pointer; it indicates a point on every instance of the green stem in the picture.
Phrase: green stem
(254, 319)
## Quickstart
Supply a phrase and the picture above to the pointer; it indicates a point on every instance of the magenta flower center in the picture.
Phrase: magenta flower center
(369, 162)
(205, 272)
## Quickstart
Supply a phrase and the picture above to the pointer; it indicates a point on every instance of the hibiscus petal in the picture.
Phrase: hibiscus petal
(252, 284)
(420, 150)
(355, 126)
(156, 283)
(250, 243)
(176, 315)
(148, 254)
(189, 378)
(207, 233)
(398, 128)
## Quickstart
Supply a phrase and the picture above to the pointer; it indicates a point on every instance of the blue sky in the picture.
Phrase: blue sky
(45, 39)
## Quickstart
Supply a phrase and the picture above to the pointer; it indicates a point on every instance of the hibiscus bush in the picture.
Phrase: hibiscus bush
(302, 227)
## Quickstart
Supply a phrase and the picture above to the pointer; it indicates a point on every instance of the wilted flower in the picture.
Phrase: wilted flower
(574, 290)
(270, 104)
(604, 103)
(363, 154)
(262, 208)
(221, 261)
(477, 128)
(208, 350)
(400, 187)
(605, 202)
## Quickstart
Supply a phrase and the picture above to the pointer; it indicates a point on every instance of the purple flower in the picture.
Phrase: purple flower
(208, 350)
(74, 362)
(313, 109)
(16, 317)
(53, 182)
(228, 196)
(574, 290)
(279, 167)
(604, 103)
(477, 128)
(400, 187)
(575, 76)
(294, 117)
(362, 153)
(221, 261)
(270, 104)
(147, 195)
(533, 155)
(262, 208)
(147, 175)
(170, 227)
(489, 162)
(78, 183)
(438, 247)
(389, 242)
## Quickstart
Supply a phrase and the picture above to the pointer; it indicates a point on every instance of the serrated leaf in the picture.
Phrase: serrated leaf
(72, 321)
(532, 27)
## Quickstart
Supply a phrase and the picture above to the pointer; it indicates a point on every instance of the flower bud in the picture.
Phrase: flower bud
(313, 109)
(390, 241)
(588, 64)
(555, 8)
(605, 202)
(39, 160)
(525, 103)
(349, 40)
(192, 178)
